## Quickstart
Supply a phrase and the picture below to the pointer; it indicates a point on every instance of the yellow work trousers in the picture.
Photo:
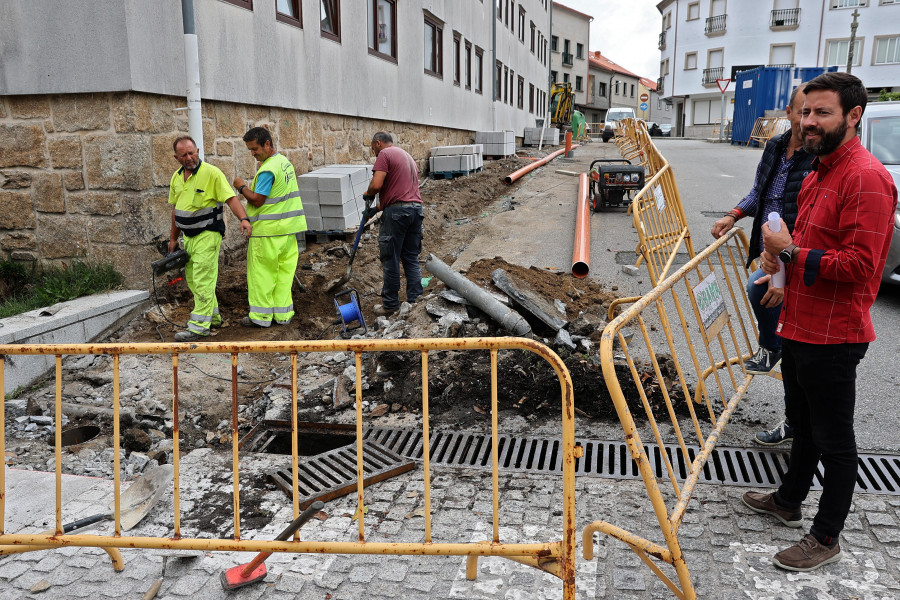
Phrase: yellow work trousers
(201, 273)
(271, 264)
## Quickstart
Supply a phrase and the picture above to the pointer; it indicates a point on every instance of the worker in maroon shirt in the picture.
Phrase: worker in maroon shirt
(834, 261)
(395, 179)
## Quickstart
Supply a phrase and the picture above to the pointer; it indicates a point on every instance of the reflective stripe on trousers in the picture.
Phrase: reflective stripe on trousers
(271, 264)
(201, 273)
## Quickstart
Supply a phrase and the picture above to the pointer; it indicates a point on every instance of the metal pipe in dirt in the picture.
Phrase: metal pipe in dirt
(517, 174)
(192, 74)
(507, 317)
(581, 253)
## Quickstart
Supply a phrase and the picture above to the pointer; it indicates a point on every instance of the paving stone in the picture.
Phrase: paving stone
(886, 535)
(628, 580)
(855, 540)
(876, 518)
(65, 575)
(392, 570)
(288, 582)
(50, 561)
(120, 587)
(190, 584)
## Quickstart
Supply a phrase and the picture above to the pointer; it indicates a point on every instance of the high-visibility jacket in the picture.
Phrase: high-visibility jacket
(198, 200)
(282, 212)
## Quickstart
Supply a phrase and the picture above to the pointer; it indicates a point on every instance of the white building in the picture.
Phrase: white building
(569, 46)
(705, 40)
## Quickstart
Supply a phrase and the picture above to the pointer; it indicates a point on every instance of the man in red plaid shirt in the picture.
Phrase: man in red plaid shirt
(834, 261)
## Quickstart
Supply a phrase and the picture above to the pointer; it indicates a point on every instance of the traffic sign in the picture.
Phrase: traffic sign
(644, 106)
(644, 97)
(723, 84)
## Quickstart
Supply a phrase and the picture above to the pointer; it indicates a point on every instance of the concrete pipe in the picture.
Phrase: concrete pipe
(581, 254)
(509, 319)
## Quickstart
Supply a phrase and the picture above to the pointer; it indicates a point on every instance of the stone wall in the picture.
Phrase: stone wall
(87, 175)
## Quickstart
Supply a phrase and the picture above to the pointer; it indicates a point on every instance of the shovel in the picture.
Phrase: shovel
(368, 213)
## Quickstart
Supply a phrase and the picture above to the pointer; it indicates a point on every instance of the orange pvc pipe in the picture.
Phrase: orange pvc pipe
(568, 142)
(517, 174)
(581, 254)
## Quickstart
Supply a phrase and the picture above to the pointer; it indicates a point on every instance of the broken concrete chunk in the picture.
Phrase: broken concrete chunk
(527, 299)
(564, 339)
(585, 324)
(380, 410)
(340, 397)
(560, 306)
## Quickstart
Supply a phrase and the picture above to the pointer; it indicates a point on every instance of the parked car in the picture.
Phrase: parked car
(613, 116)
(880, 133)
(666, 129)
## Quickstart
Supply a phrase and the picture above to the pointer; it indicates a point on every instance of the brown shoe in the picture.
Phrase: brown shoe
(765, 505)
(807, 554)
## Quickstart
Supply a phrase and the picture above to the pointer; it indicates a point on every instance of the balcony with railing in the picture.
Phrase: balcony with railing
(715, 25)
(662, 40)
(788, 18)
(567, 59)
(782, 65)
(660, 88)
(710, 75)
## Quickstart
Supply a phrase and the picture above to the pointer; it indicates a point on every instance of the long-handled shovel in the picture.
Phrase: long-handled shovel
(255, 570)
(368, 213)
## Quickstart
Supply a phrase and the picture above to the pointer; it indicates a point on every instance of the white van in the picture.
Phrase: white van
(613, 116)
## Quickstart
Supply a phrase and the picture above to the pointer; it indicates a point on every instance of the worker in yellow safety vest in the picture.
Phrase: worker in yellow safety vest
(197, 192)
(276, 214)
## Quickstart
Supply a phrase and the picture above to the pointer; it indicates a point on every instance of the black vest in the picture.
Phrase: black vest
(768, 168)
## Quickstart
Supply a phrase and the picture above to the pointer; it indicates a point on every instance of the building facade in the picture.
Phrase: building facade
(569, 46)
(702, 41)
(92, 94)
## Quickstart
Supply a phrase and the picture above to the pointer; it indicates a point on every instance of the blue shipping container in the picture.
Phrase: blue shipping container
(762, 89)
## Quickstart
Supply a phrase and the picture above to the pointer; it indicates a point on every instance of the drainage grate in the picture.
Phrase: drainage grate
(333, 474)
(878, 473)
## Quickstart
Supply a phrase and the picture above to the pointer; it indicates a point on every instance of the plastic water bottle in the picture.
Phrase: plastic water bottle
(778, 279)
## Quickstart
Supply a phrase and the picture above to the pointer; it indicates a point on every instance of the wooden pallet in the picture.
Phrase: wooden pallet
(452, 174)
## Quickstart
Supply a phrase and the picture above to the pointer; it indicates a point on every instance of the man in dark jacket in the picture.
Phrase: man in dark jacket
(780, 174)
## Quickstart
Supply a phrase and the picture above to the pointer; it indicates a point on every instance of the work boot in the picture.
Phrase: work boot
(383, 311)
(763, 361)
(764, 504)
(247, 322)
(188, 336)
(779, 434)
(807, 554)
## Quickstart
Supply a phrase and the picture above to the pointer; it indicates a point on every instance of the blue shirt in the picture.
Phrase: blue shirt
(774, 195)
(265, 180)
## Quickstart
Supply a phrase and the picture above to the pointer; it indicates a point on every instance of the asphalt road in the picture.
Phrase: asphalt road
(712, 178)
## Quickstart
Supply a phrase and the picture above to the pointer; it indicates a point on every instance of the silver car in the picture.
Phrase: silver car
(880, 134)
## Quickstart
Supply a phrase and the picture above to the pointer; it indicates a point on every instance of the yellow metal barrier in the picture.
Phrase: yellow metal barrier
(767, 127)
(707, 296)
(557, 557)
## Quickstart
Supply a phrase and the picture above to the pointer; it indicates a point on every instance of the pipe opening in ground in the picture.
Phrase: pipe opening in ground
(76, 435)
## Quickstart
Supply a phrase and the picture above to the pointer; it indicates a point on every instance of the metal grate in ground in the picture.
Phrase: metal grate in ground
(750, 467)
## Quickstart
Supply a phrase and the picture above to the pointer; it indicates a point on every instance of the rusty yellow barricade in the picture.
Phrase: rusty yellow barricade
(691, 336)
(767, 127)
(555, 557)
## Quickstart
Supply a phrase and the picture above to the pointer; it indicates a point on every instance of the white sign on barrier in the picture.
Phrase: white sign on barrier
(660, 199)
(709, 299)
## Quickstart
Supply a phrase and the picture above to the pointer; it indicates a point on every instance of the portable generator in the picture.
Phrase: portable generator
(612, 184)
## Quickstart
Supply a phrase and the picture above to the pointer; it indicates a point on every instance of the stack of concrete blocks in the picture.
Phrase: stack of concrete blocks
(533, 136)
(497, 143)
(456, 159)
(333, 196)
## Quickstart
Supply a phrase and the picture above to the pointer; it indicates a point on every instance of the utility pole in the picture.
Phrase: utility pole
(853, 27)
(192, 74)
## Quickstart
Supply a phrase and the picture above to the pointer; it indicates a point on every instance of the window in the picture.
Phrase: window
(330, 14)
(601, 89)
(667, 20)
(479, 65)
(468, 65)
(848, 3)
(554, 43)
(632, 90)
(457, 42)
(500, 10)
(887, 50)
(836, 52)
(578, 83)
(690, 61)
(506, 15)
(531, 98)
(498, 79)
(617, 87)
(288, 11)
(521, 24)
(693, 11)
(533, 38)
(554, 76)
(248, 4)
(664, 68)
(579, 50)
(512, 81)
(383, 28)
(567, 46)
(506, 89)
(781, 55)
(521, 92)
(565, 78)
(434, 38)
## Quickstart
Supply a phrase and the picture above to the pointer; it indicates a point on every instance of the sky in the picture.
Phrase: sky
(625, 31)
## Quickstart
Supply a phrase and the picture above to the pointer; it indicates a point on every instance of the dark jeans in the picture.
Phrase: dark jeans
(399, 242)
(766, 318)
(820, 394)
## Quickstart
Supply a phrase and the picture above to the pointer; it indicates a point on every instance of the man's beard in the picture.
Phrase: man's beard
(829, 141)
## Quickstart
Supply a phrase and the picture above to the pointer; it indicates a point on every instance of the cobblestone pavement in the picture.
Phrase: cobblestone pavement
(728, 547)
